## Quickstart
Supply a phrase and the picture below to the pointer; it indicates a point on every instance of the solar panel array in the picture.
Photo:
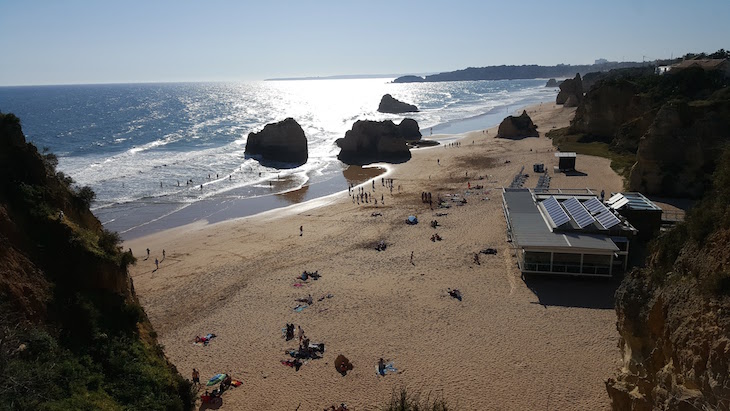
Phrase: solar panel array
(594, 206)
(556, 212)
(607, 219)
(604, 216)
(581, 216)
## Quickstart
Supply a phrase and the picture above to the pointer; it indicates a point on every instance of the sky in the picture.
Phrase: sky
(83, 42)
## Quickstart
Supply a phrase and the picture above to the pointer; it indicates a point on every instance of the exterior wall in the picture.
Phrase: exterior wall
(565, 263)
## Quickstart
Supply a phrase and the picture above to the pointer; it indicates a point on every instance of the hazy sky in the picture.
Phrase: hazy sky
(61, 42)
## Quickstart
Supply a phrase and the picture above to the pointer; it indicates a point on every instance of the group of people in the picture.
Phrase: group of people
(426, 198)
(362, 196)
(211, 396)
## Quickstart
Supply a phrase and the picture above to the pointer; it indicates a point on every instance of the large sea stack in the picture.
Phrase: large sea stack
(388, 104)
(568, 88)
(283, 142)
(377, 141)
(517, 127)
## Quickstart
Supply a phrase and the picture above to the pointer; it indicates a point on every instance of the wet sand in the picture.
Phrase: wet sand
(509, 344)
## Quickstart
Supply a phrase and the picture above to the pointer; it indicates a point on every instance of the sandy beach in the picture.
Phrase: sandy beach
(509, 344)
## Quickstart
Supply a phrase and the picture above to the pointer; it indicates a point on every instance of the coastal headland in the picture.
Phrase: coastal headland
(508, 344)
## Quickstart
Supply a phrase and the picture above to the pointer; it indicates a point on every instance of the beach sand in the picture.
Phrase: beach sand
(510, 344)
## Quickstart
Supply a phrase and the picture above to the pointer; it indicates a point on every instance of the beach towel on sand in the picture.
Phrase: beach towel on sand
(300, 307)
(389, 368)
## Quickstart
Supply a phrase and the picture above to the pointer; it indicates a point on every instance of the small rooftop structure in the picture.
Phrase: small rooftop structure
(639, 210)
(565, 233)
(566, 161)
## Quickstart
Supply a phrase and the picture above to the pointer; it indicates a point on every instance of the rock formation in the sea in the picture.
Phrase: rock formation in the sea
(282, 142)
(570, 87)
(389, 104)
(409, 79)
(674, 314)
(374, 141)
(72, 332)
(409, 129)
(552, 83)
(517, 127)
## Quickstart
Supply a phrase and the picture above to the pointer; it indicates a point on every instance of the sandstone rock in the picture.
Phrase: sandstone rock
(517, 127)
(373, 141)
(409, 129)
(676, 155)
(572, 101)
(604, 109)
(570, 87)
(552, 83)
(388, 104)
(282, 142)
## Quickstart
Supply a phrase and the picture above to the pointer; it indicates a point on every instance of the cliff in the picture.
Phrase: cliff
(674, 314)
(72, 333)
(504, 72)
(571, 92)
(672, 125)
(283, 142)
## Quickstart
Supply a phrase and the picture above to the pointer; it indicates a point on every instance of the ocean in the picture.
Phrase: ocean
(138, 145)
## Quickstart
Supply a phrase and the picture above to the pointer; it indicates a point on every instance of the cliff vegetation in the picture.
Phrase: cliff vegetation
(72, 333)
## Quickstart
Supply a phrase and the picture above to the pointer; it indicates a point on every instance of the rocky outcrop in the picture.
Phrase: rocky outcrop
(605, 109)
(375, 141)
(409, 129)
(282, 142)
(570, 87)
(389, 104)
(678, 152)
(517, 127)
(552, 83)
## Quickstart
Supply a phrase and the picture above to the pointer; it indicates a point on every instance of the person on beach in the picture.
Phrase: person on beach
(301, 230)
(201, 187)
(148, 253)
(412, 258)
(196, 377)
(157, 264)
(300, 333)
(163, 253)
(603, 194)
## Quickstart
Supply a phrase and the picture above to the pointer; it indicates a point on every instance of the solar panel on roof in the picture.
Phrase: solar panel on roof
(615, 198)
(620, 203)
(581, 216)
(556, 212)
(607, 219)
(594, 206)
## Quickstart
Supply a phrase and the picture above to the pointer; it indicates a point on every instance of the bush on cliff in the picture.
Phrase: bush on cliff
(72, 333)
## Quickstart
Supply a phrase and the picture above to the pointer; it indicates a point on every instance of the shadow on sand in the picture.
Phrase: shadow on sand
(582, 292)
(574, 173)
(216, 404)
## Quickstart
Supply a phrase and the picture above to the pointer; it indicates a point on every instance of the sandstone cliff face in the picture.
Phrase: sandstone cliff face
(604, 109)
(570, 87)
(388, 104)
(552, 83)
(677, 154)
(517, 127)
(674, 337)
(282, 142)
(409, 129)
(373, 141)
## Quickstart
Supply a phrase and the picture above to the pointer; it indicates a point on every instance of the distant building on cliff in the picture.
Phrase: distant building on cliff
(600, 61)
(567, 232)
(706, 64)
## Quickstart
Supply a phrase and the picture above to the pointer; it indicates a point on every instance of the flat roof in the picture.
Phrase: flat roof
(530, 230)
(565, 155)
(632, 201)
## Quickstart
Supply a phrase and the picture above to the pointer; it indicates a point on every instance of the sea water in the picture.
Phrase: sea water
(146, 149)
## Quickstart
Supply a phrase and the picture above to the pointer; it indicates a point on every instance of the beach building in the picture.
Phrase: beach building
(566, 161)
(568, 232)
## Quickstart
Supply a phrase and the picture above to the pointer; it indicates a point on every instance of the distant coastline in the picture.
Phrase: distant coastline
(343, 77)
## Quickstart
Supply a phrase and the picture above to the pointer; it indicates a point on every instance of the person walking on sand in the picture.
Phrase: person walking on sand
(157, 264)
(196, 377)
(301, 230)
(163, 253)
(412, 258)
(148, 253)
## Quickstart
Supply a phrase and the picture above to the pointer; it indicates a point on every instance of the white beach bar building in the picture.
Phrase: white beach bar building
(569, 232)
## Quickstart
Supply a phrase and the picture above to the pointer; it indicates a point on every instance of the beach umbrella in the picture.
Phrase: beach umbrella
(216, 379)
